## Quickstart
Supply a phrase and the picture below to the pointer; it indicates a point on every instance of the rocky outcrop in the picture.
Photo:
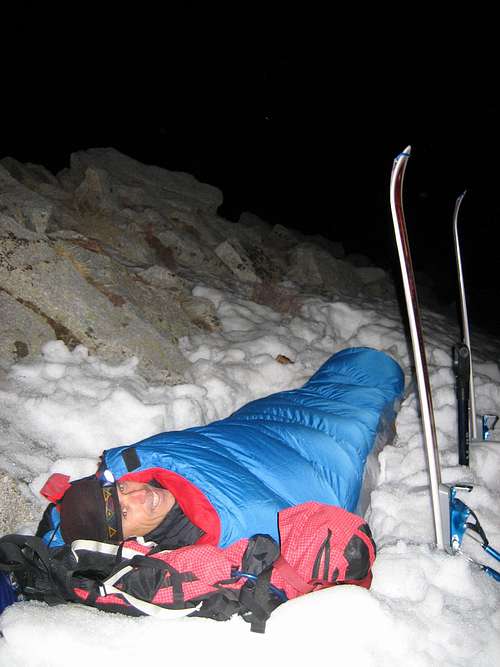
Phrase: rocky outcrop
(26, 207)
(314, 266)
(15, 509)
(107, 253)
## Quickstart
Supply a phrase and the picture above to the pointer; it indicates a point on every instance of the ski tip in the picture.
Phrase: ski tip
(405, 153)
(459, 201)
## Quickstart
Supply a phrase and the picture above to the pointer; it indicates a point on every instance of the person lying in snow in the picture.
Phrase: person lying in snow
(226, 481)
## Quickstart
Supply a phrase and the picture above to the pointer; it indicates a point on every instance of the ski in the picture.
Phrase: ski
(461, 366)
(453, 519)
(439, 492)
(465, 319)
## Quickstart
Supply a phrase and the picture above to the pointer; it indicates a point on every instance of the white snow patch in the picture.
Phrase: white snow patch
(425, 608)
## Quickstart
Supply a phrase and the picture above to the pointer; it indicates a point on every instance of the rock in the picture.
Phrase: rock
(269, 264)
(280, 298)
(253, 231)
(160, 276)
(40, 181)
(201, 312)
(22, 330)
(248, 236)
(208, 229)
(15, 510)
(286, 237)
(10, 228)
(184, 248)
(376, 282)
(134, 184)
(26, 207)
(107, 254)
(312, 266)
(96, 192)
(96, 303)
(233, 255)
(112, 234)
(371, 274)
(30, 175)
(304, 260)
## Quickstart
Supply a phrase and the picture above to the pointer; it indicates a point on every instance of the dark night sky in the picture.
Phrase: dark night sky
(300, 139)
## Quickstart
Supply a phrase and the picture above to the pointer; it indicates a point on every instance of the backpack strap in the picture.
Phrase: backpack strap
(116, 550)
(258, 600)
(258, 597)
(148, 608)
(291, 576)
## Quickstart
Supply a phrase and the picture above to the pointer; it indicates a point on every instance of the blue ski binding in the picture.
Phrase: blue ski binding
(457, 522)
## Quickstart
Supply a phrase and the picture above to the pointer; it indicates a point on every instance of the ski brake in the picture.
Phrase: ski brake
(459, 520)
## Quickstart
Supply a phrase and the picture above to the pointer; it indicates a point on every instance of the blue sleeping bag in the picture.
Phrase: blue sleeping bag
(233, 476)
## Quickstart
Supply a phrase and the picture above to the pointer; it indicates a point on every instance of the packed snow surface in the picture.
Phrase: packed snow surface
(425, 608)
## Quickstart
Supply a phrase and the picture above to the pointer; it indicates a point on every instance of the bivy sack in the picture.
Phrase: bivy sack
(231, 477)
(305, 444)
(320, 546)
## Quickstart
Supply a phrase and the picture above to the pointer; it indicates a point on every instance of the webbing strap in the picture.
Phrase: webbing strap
(131, 459)
(324, 550)
(104, 548)
(110, 581)
(149, 608)
(176, 579)
(290, 575)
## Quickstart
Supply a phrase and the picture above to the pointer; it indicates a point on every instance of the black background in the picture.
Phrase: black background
(301, 133)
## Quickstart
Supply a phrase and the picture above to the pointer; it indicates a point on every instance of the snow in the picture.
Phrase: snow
(425, 607)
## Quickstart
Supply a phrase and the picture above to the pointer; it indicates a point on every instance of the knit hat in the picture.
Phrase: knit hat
(90, 511)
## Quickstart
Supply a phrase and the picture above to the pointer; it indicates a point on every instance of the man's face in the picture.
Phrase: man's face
(143, 507)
